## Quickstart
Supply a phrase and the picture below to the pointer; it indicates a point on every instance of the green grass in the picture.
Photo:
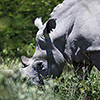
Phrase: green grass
(67, 87)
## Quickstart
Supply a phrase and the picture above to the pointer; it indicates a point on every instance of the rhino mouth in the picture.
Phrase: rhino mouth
(31, 78)
(33, 81)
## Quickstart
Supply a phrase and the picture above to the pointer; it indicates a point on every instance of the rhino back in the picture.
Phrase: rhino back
(83, 43)
(79, 21)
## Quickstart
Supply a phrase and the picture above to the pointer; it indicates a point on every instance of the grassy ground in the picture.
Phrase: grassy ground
(67, 87)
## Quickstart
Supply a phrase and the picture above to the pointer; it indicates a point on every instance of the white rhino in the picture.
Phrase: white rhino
(71, 34)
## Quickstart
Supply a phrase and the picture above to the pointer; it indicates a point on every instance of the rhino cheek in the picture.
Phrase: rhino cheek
(36, 80)
(54, 71)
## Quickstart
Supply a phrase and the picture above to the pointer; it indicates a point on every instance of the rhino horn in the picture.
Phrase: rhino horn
(25, 61)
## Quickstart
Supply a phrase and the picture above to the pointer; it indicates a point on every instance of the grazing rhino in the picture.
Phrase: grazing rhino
(71, 34)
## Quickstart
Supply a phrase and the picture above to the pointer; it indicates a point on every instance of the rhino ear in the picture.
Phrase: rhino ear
(51, 24)
(38, 22)
(25, 61)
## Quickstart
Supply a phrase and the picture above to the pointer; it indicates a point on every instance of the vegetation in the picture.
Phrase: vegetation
(17, 37)
(17, 30)
(67, 87)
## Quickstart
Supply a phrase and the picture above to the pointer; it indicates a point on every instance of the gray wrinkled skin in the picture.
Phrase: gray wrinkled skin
(71, 34)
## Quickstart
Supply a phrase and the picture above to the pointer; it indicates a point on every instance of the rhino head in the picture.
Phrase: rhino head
(48, 59)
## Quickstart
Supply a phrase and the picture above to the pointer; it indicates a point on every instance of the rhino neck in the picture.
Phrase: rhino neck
(65, 15)
(63, 8)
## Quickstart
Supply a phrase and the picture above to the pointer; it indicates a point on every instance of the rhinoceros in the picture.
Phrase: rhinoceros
(71, 34)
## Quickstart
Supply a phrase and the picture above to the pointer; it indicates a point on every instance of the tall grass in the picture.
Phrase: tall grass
(66, 87)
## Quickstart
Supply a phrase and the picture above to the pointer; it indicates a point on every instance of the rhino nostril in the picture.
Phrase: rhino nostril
(40, 65)
(35, 68)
